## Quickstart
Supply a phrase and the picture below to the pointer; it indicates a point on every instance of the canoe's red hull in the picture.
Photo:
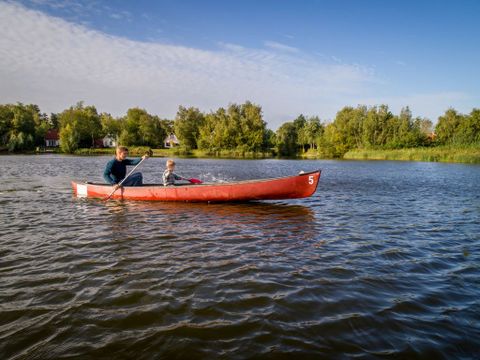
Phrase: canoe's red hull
(292, 187)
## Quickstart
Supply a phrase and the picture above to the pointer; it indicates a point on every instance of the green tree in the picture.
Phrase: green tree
(139, 128)
(151, 131)
(313, 130)
(446, 128)
(269, 139)
(344, 133)
(468, 131)
(6, 118)
(187, 124)
(54, 122)
(69, 138)
(375, 126)
(252, 128)
(286, 139)
(332, 144)
(22, 126)
(129, 135)
(207, 135)
(349, 126)
(220, 130)
(168, 125)
(42, 124)
(22, 131)
(84, 126)
(110, 126)
(299, 123)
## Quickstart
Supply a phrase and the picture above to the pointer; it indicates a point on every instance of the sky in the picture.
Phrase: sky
(310, 57)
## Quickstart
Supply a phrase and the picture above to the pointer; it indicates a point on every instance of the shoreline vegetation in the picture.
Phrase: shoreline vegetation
(239, 131)
(449, 154)
(469, 155)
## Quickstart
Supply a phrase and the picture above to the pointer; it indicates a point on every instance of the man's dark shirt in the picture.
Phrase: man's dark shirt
(116, 170)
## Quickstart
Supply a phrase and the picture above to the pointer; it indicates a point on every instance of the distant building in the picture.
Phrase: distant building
(105, 142)
(171, 141)
(52, 139)
(109, 141)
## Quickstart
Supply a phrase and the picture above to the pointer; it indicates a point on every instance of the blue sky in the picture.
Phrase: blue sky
(290, 57)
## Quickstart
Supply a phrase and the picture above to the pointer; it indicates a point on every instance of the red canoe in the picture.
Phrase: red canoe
(291, 187)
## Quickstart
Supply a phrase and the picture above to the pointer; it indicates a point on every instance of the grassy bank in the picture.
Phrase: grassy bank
(177, 152)
(133, 151)
(469, 155)
(440, 153)
(230, 154)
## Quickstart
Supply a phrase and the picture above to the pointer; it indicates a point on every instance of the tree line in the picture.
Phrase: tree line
(238, 128)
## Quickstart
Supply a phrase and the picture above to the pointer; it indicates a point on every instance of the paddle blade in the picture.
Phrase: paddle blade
(195, 181)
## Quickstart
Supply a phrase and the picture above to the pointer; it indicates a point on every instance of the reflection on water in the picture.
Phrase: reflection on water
(383, 261)
(224, 222)
(242, 216)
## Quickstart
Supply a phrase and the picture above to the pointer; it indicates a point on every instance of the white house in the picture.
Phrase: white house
(109, 141)
(171, 141)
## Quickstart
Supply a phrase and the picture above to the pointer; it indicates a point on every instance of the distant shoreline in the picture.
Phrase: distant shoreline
(448, 154)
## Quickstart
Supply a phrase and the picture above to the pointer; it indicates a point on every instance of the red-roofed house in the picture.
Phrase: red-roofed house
(51, 138)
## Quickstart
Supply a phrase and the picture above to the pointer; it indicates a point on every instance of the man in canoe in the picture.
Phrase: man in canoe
(116, 169)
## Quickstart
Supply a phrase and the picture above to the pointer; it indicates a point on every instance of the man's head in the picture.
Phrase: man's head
(121, 152)
(170, 164)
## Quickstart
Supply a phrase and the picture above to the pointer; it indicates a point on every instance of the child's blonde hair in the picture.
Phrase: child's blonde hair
(170, 163)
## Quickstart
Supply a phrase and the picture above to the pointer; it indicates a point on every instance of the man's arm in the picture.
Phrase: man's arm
(135, 161)
(107, 174)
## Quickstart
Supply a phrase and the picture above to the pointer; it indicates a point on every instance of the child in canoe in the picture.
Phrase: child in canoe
(169, 176)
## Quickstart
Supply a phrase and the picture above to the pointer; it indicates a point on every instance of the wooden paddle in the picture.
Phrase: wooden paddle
(149, 153)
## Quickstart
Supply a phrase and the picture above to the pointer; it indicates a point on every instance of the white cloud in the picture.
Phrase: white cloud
(122, 15)
(54, 63)
(282, 47)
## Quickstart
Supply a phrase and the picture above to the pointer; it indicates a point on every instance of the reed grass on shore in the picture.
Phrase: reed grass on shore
(469, 155)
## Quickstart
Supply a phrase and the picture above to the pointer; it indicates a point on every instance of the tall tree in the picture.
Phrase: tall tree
(286, 139)
(69, 138)
(349, 126)
(187, 124)
(110, 126)
(84, 125)
(42, 124)
(252, 128)
(375, 126)
(22, 132)
(468, 131)
(6, 118)
(299, 124)
(313, 130)
(446, 128)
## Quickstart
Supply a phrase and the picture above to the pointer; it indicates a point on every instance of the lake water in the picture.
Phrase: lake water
(382, 262)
